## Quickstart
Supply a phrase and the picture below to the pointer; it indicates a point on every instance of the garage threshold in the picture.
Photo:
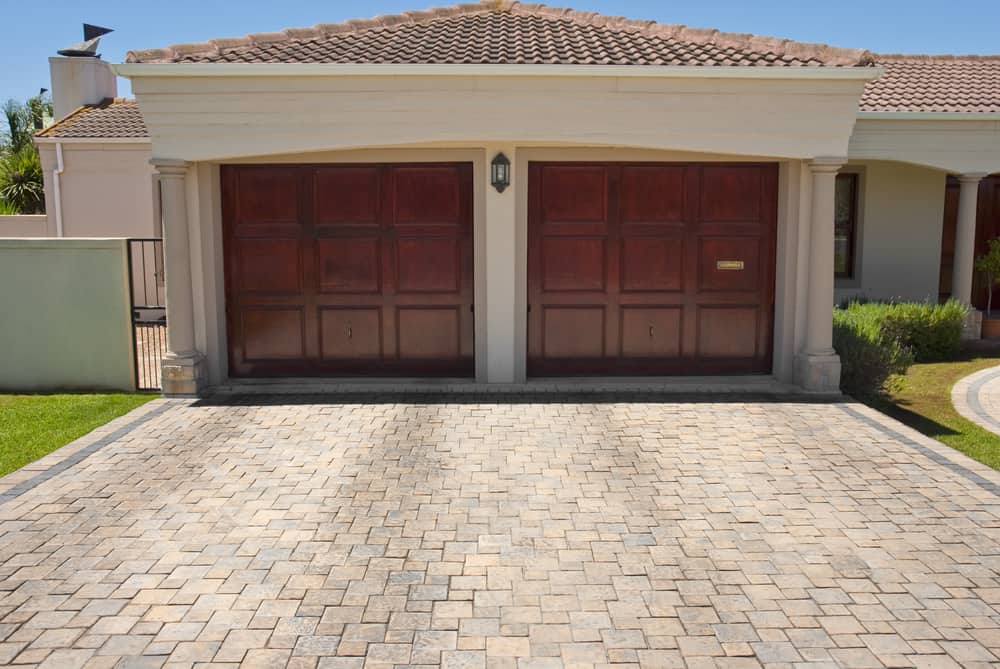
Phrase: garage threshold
(722, 385)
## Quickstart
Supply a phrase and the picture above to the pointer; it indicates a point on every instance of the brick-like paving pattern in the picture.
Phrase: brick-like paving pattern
(508, 535)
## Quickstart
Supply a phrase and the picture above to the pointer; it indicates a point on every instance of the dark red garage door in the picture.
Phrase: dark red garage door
(349, 269)
(650, 268)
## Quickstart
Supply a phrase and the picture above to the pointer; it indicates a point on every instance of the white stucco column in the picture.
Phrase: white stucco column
(965, 251)
(818, 365)
(183, 366)
(501, 268)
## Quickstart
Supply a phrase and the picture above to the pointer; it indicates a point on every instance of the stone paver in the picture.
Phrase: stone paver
(977, 398)
(519, 533)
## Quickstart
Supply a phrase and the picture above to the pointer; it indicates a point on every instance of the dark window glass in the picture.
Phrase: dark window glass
(845, 225)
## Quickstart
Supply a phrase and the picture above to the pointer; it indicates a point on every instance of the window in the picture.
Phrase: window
(845, 225)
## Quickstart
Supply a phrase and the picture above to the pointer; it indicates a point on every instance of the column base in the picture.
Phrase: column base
(973, 326)
(182, 375)
(818, 373)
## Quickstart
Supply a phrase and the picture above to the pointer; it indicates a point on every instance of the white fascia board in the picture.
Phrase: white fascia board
(92, 140)
(927, 116)
(130, 70)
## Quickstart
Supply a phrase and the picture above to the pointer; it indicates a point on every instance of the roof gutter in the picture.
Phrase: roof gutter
(91, 140)
(130, 70)
(927, 116)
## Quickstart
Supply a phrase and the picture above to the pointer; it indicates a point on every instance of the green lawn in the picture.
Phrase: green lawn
(34, 425)
(922, 400)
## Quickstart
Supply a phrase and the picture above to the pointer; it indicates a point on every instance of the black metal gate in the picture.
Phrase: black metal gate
(149, 313)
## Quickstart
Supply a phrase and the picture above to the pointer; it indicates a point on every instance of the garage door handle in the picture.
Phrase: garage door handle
(350, 333)
(650, 331)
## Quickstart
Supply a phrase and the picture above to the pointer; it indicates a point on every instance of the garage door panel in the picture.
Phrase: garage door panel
(269, 196)
(354, 269)
(347, 195)
(430, 334)
(272, 333)
(731, 193)
(573, 264)
(729, 264)
(270, 266)
(652, 194)
(651, 332)
(428, 265)
(573, 332)
(677, 276)
(573, 194)
(349, 265)
(351, 333)
(427, 195)
(652, 264)
(728, 332)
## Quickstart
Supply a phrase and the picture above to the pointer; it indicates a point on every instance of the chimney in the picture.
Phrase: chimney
(79, 76)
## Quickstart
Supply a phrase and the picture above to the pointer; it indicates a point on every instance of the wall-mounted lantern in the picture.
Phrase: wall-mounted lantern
(500, 172)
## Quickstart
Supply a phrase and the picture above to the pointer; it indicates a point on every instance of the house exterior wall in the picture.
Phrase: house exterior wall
(106, 189)
(29, 225)
(959, 146)
(898, 243)
(66, 309)
(207, 121)
(218, 118)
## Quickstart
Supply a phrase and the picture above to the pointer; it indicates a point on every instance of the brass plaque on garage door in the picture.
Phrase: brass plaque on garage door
(729, 264)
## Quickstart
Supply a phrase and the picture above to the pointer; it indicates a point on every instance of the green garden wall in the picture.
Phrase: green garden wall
(64, 315)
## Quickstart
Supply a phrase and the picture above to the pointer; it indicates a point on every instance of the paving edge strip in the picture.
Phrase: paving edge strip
(980, 414)
(82, 454)
(926, 451)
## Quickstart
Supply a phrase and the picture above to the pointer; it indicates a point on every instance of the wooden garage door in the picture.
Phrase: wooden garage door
(349, 269)
(650, 268)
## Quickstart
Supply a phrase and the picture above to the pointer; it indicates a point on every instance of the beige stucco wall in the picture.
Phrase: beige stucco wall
(65, 309)
(107, 189)
(32, 225)
(948, 144)
(898, 249)
(218, 118)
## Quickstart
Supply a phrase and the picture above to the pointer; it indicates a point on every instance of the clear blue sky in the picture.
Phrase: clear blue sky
(33, 31)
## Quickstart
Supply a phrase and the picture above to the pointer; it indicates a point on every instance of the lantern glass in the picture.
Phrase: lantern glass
(500, 172)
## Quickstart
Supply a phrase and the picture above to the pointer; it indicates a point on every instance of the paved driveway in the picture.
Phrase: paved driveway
(509, 535)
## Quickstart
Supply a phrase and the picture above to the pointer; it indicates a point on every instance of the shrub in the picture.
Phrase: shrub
(877, 340)
(988, 264)
(933, 332)
(869, 356)
(21, 181)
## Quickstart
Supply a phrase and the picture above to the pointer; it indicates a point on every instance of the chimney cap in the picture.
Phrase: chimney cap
(88, 47)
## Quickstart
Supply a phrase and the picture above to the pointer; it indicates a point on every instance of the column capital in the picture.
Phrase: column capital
(826, 164)
(170, 167)
(971, 177)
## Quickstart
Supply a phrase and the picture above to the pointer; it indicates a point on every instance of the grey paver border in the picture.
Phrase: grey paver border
(33, 474)
(965, 397)
(973, 471)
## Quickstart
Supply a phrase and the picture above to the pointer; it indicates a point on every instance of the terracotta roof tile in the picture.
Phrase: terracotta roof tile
(935, 84)
(506, 33)
(109, 119)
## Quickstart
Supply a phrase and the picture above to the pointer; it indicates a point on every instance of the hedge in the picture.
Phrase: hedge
(877, 340)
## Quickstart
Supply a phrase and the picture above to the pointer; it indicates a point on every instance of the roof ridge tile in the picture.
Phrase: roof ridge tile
(806, 53)
(935, 58)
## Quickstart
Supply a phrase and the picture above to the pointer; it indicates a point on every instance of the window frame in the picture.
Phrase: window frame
(854, 234)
